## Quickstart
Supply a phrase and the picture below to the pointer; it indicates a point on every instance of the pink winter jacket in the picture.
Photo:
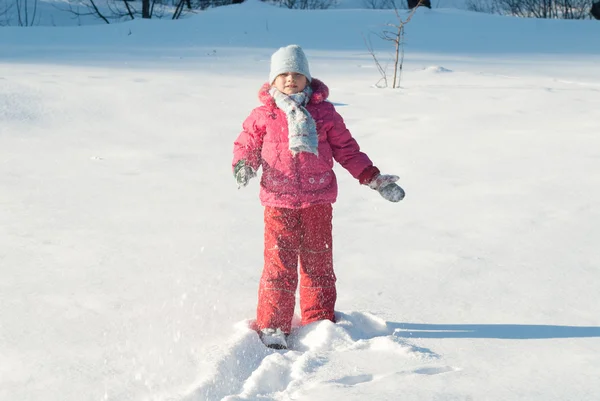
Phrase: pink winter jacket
(305, 179)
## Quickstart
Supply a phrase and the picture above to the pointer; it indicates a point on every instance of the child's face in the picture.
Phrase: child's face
(290, 83)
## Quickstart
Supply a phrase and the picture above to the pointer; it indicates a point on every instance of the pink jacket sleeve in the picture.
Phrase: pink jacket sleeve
(345, 148)
(248, 145)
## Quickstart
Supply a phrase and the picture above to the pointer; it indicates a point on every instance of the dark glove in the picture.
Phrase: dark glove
(386, 186)
(243, 174)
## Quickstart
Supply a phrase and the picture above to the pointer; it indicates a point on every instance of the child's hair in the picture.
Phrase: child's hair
(289, 59)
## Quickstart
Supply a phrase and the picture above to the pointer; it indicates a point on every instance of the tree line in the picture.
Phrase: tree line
(554, 9)
(24, 12)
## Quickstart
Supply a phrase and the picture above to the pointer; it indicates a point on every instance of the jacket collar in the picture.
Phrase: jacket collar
(319, 95)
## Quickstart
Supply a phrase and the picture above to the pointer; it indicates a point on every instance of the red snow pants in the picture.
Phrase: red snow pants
(297, 237)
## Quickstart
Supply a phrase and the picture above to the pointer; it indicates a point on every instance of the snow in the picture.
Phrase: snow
(129, 260)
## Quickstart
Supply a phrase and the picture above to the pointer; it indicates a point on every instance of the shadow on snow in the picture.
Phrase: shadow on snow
(499, 331)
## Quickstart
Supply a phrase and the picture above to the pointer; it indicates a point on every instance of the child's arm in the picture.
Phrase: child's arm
(248, 146)
(347, 152)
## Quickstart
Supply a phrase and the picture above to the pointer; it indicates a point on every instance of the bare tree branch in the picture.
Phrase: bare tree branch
(379, 67)
(556, 9)
(397, 36)
(5, 13)
(128, 8)
(23, 16)
(97, 11)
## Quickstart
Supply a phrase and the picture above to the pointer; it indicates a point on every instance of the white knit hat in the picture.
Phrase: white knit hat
(289, 59)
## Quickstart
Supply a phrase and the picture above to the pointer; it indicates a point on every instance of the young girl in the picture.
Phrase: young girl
(295, 136)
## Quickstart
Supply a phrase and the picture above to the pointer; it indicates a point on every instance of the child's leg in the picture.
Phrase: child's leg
(277, 290)
(317, 279)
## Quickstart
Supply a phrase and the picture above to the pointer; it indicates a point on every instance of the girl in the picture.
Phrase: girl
(295, 136)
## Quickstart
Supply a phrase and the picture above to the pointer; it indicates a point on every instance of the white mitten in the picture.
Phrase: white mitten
(386, 186)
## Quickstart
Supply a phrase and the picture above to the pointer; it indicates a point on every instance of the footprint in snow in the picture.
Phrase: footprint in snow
(353, 380)
(358, 350)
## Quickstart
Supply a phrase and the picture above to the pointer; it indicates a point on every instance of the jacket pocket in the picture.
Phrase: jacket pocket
(276, 181)
(317, 181)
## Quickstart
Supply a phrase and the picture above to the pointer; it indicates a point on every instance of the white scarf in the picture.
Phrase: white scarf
(302, 129)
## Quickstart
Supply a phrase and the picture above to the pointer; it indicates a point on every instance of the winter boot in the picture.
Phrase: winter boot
(273, 338)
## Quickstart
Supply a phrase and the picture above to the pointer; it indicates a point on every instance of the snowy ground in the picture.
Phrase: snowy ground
(129, 261)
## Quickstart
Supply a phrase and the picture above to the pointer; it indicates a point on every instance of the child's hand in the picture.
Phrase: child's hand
(386, 186)
(243, 175)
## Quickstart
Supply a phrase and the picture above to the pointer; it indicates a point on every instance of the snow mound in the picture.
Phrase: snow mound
(322, 354)
(436, 69)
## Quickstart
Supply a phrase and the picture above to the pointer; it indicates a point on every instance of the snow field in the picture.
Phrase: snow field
(127, 253)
